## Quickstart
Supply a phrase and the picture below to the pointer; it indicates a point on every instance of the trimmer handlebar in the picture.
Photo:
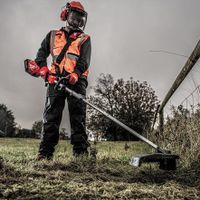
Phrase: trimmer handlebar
(58, 83)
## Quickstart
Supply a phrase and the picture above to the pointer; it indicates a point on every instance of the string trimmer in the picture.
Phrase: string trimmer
(166, 160)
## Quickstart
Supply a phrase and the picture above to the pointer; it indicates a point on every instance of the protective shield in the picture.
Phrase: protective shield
(76, 19)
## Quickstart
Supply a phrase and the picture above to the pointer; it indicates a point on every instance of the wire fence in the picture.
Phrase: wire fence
(178, 124)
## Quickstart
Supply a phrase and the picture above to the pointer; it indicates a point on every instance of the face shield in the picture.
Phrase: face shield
(76, 19)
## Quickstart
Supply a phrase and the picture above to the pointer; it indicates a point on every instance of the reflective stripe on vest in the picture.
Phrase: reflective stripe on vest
(57, 42)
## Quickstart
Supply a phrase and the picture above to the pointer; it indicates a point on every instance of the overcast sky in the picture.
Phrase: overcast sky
(123, 33)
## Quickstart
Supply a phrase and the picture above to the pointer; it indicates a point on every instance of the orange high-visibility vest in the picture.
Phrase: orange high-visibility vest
(57, 42)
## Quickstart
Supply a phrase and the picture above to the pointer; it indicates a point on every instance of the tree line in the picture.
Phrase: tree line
(9, 128)
(132, 102)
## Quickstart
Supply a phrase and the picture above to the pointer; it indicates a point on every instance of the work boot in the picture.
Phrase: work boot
(80, 151)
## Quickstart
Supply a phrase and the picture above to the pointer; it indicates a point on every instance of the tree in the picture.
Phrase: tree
(37, 127)
(131, 102)
(7, 121)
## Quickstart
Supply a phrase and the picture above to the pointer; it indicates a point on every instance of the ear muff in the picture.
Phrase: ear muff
(63, 15)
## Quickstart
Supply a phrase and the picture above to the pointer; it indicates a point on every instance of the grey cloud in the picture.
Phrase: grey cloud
(122, 34)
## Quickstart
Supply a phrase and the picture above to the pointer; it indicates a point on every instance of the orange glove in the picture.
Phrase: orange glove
(51, 79)
(73, 78)
(44, 71)
(45, 74)
(32, 68)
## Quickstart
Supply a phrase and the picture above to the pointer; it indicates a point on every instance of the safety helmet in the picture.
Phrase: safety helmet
(74, 7)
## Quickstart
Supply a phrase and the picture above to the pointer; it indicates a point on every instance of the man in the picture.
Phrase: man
(74, 65)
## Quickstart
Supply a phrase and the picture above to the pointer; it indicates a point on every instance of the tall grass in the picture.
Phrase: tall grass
(182, 134)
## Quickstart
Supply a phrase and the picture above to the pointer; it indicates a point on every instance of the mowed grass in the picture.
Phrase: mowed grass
(108, 177)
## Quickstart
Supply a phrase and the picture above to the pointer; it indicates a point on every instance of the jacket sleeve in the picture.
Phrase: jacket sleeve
(84, 60)
(43, 51)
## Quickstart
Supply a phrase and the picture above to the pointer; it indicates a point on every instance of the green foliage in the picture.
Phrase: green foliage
(181, 134)
(7, 121)
(131, 102)
(37, 126)
(27, 133)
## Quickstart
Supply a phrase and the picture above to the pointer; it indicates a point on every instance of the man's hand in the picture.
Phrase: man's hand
(32, 68)
(73, 78)
(51, 79)
(47, 76)
(44, 71)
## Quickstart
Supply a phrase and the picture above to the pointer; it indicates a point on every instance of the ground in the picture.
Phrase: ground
(108, 177)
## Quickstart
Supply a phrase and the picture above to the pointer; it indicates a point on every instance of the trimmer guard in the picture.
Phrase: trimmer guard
(166, 161)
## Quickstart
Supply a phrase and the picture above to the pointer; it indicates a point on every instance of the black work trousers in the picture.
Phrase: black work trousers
(55, 102)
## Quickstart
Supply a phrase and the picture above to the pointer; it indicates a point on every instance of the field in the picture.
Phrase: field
(108, 177)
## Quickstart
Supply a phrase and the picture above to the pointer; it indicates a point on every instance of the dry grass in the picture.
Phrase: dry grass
(108, 177)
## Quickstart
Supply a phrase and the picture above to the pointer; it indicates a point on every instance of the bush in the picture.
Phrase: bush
(181, 134)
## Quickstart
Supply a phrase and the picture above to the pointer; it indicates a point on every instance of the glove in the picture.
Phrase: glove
(45, 74)
(73, 78)
(51, 79)
(44, 71)
(32, 68)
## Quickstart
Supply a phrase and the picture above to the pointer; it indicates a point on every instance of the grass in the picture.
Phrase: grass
(108, 177)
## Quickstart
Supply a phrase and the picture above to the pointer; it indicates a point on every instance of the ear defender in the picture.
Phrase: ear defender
(63, 15)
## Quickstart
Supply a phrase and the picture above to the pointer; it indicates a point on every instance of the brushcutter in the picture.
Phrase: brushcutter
(166, 160)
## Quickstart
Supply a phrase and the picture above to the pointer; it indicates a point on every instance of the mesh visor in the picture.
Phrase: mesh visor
(77, 18)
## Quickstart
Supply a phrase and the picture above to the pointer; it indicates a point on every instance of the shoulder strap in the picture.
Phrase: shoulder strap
(72, 37)
(64, 50)
(62, 54)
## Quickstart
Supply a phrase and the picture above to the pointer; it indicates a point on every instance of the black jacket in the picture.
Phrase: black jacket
(82, 63)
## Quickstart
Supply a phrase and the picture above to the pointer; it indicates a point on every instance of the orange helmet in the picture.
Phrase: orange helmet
(74, 6)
